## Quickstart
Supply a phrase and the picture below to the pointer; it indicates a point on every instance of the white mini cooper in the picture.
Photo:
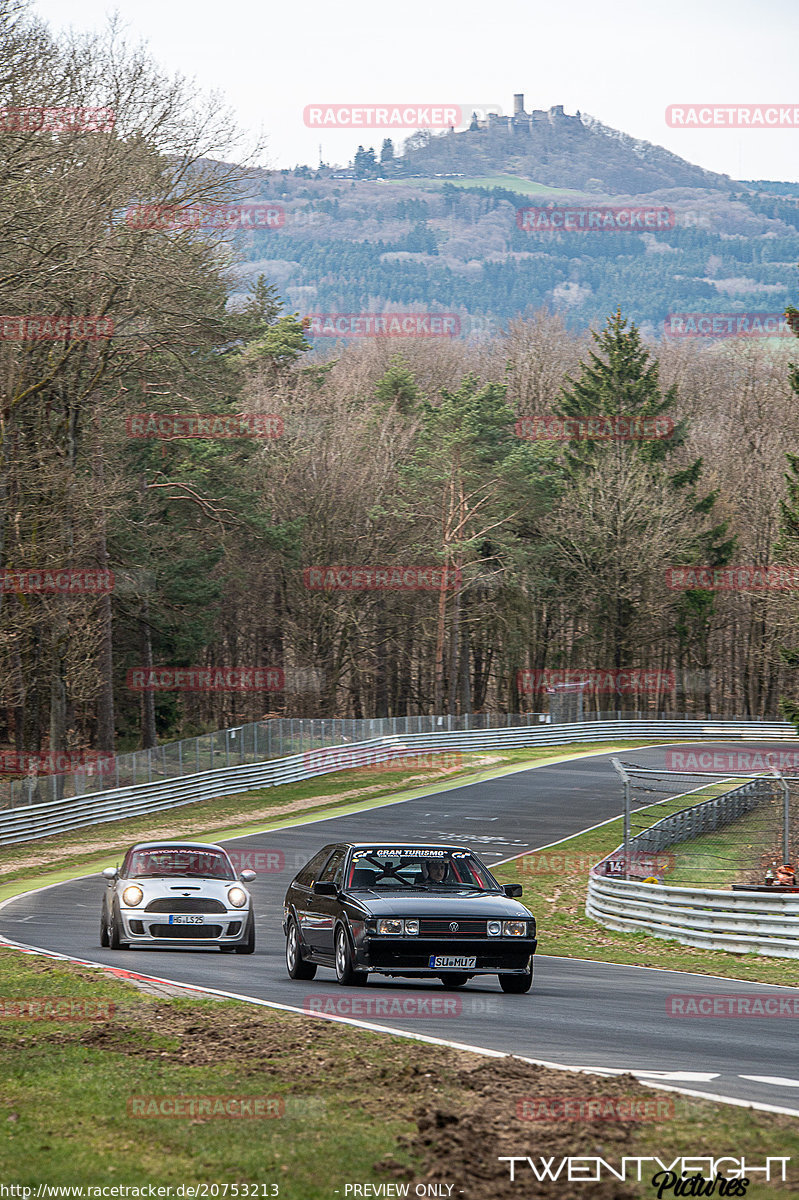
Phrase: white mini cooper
(177, 894)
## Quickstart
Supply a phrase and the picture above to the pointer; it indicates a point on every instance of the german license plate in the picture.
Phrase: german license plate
(459, 961)
(187, 920)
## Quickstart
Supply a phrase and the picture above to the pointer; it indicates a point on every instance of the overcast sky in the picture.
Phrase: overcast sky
(623, 63)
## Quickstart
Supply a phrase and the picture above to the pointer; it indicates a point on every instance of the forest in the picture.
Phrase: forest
(271, 527)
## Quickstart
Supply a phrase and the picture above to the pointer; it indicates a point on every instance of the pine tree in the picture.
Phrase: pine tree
(622, 379)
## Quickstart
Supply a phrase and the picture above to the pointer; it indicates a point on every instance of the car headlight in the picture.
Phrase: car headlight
(514, 928)
(412, 927)
(237, 897)
(390, 926)
(132, 896)
(494, 928)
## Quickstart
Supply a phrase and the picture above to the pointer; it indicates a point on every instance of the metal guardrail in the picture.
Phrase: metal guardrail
(40, 820)
(747, 923)
(255, 741)
(704, 817)
(274, 737)
(743, 922)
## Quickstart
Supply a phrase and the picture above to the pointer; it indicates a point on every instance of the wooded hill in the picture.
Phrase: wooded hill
(381, 453)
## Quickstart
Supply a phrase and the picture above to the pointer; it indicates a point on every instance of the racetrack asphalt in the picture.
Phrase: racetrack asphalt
(579, 1012)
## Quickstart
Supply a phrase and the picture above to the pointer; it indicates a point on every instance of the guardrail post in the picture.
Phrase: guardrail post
(626, 781)
(180, 759)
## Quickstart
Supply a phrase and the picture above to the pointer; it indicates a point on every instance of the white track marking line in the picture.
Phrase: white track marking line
(774, 1080)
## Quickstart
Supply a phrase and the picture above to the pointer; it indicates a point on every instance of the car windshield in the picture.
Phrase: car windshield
(432, 869)
(184, 862)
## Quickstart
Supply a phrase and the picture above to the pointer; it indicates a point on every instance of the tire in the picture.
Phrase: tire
(453, 979)
(517, 984)
(104, 925)
(114, 940)
(295, 964)
(248, 946)
(345, 971)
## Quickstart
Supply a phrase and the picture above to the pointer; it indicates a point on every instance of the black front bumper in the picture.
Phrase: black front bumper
(494, 956)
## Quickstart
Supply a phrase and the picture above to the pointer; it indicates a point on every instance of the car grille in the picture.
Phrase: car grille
(195, 932)
(440, 927)
(185, 904)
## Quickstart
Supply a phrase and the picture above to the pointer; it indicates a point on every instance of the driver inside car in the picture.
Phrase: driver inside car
(435, 871)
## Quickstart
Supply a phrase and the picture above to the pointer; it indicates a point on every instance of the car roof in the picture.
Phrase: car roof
(174, 844)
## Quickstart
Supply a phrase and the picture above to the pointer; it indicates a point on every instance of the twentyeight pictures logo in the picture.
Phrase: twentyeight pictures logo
(594, 218)
(386, 324)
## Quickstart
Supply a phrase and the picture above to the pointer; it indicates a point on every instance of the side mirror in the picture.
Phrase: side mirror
(247, 875)
(513, 890)
(111, 872)
(325, 888)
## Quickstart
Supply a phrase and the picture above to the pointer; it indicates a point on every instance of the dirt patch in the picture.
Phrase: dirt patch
(466, 1112)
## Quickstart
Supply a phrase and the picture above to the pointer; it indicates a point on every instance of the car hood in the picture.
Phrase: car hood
(441, 904)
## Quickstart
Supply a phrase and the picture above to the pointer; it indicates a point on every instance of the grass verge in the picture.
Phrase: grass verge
(348, 1106)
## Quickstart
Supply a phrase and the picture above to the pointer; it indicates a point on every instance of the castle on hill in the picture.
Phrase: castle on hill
(521, 121)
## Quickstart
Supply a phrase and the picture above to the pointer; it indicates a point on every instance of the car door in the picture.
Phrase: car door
(327, 908)
(303, 900)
